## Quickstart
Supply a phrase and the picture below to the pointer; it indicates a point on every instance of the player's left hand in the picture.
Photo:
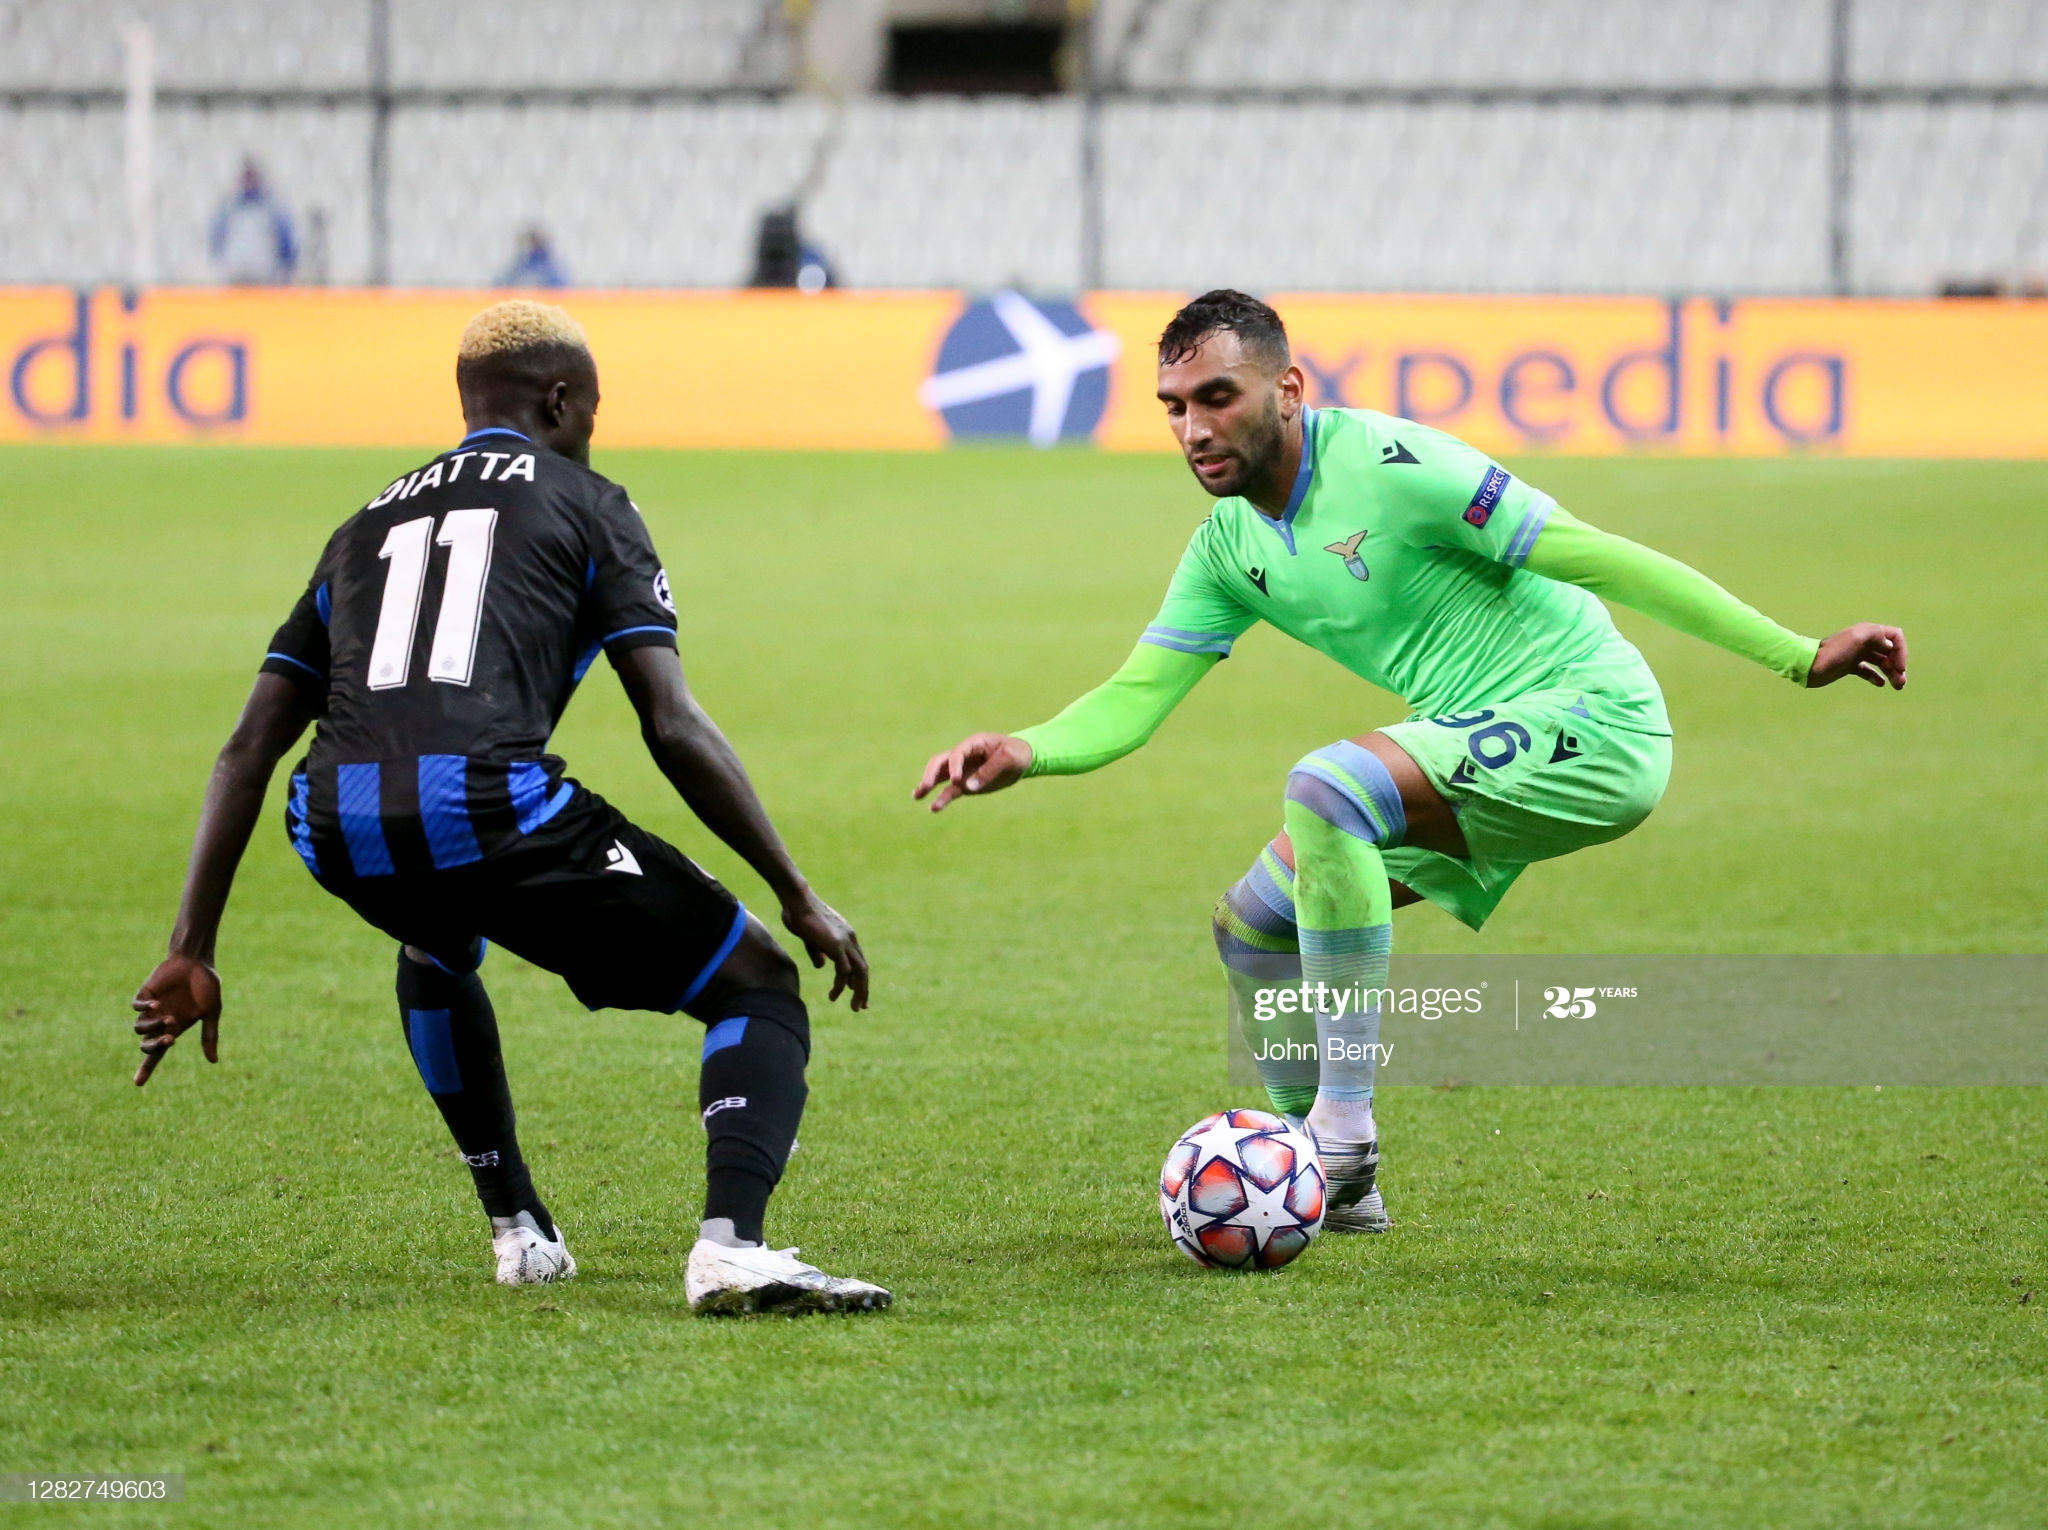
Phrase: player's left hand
(181, 993)
(828, 937)
(1867, 650)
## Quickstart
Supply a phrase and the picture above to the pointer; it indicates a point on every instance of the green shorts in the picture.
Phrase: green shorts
(1531, 779)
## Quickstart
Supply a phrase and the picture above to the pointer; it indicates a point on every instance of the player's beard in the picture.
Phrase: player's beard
(1261, 446)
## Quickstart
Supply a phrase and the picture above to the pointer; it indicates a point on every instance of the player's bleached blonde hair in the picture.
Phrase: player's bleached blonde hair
(519, 324)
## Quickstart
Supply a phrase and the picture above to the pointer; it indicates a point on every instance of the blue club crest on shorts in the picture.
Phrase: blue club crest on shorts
(1021, 367)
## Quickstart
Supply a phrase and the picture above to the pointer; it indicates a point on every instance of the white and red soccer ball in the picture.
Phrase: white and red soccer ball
(1242, 1189)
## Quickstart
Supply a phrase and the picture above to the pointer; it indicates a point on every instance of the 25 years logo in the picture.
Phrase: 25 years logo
(1579, 1003)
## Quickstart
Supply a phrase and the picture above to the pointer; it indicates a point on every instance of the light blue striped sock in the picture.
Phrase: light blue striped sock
(1341, 806)
(1352, 963)
(1255, 937)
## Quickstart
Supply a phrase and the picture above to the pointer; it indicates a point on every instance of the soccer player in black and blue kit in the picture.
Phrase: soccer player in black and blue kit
(442, 634)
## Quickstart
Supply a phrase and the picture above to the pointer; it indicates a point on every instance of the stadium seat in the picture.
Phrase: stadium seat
(275, 44)
(1204, 44)
(1947, 192)
(1975, 42)
(703, 43)
(947, 192)
(1468, 198)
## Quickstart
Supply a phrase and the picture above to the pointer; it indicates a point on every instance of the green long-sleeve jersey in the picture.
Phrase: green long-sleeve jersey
(1424, 567)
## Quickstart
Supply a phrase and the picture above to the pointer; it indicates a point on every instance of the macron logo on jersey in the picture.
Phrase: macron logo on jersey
(1491, 487)
(619, 858)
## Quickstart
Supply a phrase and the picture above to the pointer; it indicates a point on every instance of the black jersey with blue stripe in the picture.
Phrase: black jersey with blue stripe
(443, 632)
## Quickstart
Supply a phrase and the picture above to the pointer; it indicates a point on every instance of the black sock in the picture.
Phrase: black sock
(751, 1093)
(453, 1033)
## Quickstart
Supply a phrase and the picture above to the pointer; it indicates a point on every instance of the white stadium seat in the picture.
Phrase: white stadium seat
(1947, 192)
(632, 196)
(1284, 44)
(1957, 42)
(953, 193)
(1466, 198)
(595, 42)
(255, 44)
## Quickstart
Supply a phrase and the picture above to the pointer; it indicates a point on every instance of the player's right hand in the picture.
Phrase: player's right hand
(181, 993)
(978, 764)
(828, 937)
(1869, 651)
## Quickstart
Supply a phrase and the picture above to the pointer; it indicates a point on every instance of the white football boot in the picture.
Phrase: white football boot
(723, 1279)
(525, 1258)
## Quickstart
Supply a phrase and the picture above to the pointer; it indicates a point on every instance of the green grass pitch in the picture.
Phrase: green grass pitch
(1599, 1308)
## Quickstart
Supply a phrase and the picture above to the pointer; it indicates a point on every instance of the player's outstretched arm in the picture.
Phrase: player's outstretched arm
(185, 990)
(1683, 598)
(704, 769)
(1109, 722)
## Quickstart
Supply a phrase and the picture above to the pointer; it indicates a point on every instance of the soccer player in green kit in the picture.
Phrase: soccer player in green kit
(1424, 567)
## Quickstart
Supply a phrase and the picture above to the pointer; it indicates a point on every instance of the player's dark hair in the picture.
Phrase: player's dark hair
(1257, 327)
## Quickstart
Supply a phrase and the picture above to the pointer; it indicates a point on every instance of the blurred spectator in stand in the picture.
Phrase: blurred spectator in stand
(535, 265)
(252, 240)
(784, 258)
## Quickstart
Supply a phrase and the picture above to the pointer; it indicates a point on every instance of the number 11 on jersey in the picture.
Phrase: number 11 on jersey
(467, 536)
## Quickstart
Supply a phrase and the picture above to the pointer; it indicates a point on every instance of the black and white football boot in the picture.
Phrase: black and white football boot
(1350, 1173)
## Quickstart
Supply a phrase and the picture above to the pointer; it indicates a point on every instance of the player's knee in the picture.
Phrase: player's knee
(1221, 921)
(1346, 786)
(769, 1006)
(756, 964)
(1256, 915)
(426, 982)
(456, 959)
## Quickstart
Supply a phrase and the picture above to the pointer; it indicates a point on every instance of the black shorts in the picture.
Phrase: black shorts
(628, 920)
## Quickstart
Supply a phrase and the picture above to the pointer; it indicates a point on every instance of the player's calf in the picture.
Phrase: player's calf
(1260, 948)
(1342, 806)
(452, 1033)
(751, 1093)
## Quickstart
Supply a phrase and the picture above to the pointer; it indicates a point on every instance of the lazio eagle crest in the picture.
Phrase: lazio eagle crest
(1348, 551)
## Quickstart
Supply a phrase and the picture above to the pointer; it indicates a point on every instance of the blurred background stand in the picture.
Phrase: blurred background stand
(1800, 147)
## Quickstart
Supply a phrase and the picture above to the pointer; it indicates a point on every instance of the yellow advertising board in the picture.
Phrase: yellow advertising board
(915, 370)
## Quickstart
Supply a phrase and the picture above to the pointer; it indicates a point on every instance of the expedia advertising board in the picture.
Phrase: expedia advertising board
(911, 371)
